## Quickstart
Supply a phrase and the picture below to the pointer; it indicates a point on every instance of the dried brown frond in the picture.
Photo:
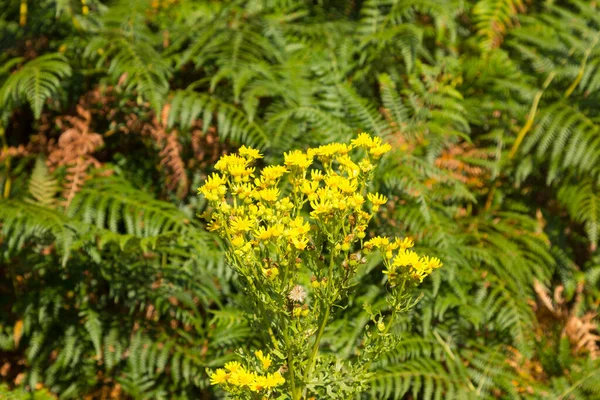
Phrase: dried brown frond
(206, 145)
(170, 153)
(13, 152)
(583, 334)
(543, 296)
(528, 369)
(171, 159)
(457, 160)
(74, 150)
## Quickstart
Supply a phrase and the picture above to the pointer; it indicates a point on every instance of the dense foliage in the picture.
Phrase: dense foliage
(113, 112)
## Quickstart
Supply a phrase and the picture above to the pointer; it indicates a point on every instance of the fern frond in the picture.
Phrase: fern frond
(42, 186)
(38, 80)
(493, 18)
(583, 203)
(231, 122)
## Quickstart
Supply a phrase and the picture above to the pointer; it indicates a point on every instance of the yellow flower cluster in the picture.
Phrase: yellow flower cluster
(235, 377)
(406, 263)
(374, 145)
(250, 209)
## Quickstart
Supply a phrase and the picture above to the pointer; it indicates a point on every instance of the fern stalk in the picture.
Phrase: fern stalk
(8, 182)
(531, 116)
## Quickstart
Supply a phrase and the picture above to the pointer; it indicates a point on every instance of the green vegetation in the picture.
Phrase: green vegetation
(112, 113)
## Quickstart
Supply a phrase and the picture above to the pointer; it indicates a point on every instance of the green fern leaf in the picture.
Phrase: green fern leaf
(38, 80)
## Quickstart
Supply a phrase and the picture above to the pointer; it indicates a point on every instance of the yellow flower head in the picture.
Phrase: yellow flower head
(258, 384)
(241, 224)
(265, 360)
(377, 242)
(299, 227)
(406, 258)
(297, 158)
(238, 241)
(218, 377)
(214, 188)
(380, 150)
(273, 380)
(348, 186)
(363, 140)
(229, 160)
(316, 175)
(351, 167)
(404, 244)
(249, 153)
(273, 172)
(214, 182)
(327, 151)
(299, 243)
(270, 195)
(242, 377)
(432, 263)
(233, 366)
(377, 199)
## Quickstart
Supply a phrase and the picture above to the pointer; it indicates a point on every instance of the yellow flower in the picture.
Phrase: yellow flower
(218, 377)
(213, 225)
(300, 243)
(242, 191)
(320, 207)
(299, 227)
(351, 167)
(298, 159)
(271, 194)
(380, 150)
(274, 379)
(272, 173)
(333, 181)
(309, 187)
(238, 241)
(365, 165)
(233, 366)
(316, 175)
(356, 201)
(405, 258)
(378, 242)
(242, 377)
(229, 160)
(258, 384)
(265, 360)
(432, 262)
(377, 199)
(363, 140)
(214, 187)
(263, 233)
(329, 150)
(240, 172)
(241, 224)
(249, 152)
(404, 244)
(348, 186)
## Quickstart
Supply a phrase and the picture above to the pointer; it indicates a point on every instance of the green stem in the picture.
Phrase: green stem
(290, 360)
(313, 355)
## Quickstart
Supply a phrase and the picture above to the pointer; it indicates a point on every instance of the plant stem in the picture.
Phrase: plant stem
(290, 360)
(313, 355)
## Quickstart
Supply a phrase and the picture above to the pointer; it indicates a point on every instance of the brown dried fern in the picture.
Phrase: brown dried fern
(582, 332)
(74, 150)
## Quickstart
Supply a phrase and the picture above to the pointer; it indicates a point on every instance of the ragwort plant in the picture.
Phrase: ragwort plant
(296, 236)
